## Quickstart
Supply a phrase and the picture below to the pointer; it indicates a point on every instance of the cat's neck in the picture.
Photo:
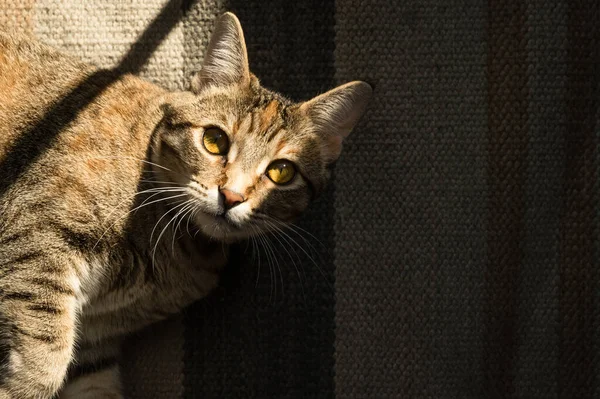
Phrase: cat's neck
(162, 229)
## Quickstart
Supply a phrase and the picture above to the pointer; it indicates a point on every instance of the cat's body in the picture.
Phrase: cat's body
(112, 213)
(69, 203)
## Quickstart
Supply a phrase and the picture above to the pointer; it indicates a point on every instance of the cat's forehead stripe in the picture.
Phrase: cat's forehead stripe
(251, 128)
(269, 115)
(246, 124)
(282, 144)
(274, 133)
(236, 127)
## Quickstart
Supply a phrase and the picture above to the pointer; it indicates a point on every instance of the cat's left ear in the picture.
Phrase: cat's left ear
(336, 112)
(226, 60)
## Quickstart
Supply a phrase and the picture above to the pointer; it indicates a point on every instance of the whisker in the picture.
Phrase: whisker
(131, 211)
(283, 241)
(266, 218)
(278, 233)
(161, 182)
(311, 247)
(132, 159)
(271, 245)
(190, 216)
(184, 212)
(161, 218)
(165, 228)
(255, 246)
(275, 264)
(295, 227)
(140, 160)
(298, 230)
(268, 256)
(152, 190)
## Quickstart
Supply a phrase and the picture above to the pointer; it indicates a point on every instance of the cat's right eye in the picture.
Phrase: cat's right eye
(215, 141)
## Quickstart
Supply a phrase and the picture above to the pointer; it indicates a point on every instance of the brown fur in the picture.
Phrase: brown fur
(92, 245)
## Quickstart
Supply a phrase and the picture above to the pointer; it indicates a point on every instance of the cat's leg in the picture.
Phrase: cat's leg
(95, 372)
(37, 321)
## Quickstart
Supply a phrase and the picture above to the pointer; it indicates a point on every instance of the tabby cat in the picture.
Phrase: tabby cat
(117, 198)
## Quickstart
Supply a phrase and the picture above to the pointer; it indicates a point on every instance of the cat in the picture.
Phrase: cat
(99, 174)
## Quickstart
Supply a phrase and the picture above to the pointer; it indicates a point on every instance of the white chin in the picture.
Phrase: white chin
(219, 229)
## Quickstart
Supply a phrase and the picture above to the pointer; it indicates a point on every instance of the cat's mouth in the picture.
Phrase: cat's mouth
(220, 226)
(224, 218)
(217, 222)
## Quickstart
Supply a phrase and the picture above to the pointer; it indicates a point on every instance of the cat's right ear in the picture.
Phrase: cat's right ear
(336, 112)
(226, 59)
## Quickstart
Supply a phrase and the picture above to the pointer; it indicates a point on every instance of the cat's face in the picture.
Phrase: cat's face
(250, 160)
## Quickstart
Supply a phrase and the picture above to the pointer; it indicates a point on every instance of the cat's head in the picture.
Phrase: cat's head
(249, 158)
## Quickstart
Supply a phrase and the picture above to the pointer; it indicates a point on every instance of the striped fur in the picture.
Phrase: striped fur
(111, 212)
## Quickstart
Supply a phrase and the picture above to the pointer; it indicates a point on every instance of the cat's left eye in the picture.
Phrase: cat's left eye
(215, 141)
(281, 171)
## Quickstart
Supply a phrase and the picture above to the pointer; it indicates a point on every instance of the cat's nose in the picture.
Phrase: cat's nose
(230, 198)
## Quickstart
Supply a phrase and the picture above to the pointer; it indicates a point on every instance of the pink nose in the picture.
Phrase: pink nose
(231, 198)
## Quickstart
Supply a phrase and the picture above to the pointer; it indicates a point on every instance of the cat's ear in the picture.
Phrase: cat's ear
(336, 112)
(226, 59)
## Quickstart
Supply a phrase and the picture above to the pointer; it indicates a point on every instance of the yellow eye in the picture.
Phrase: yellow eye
(215, 141)
(281, 171)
